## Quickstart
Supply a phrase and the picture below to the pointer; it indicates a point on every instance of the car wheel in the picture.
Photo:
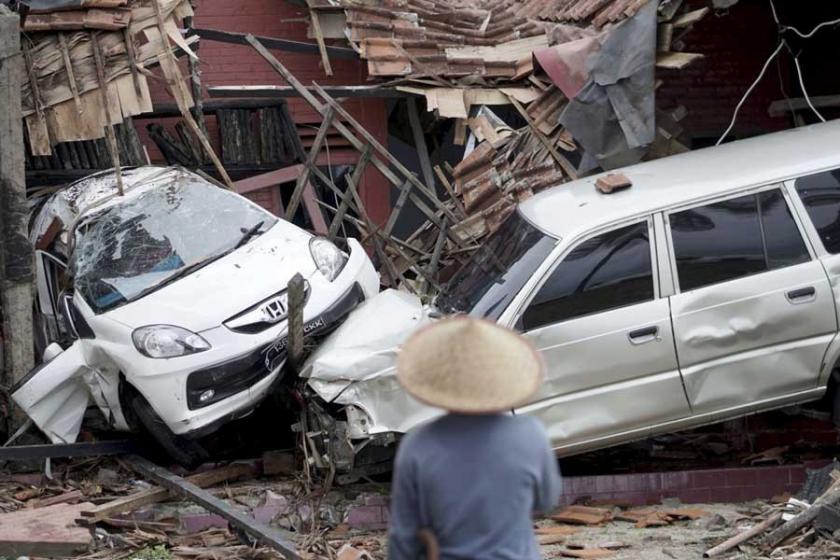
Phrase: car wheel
(187, 453)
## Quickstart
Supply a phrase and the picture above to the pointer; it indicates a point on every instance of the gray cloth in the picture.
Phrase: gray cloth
(474, 481)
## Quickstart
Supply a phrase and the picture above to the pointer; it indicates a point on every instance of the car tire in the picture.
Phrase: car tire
(187, 453)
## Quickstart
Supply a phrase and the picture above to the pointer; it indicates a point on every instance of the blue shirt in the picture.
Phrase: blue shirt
(475, 482)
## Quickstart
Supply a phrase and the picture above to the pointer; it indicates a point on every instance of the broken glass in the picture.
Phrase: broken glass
(160, 232)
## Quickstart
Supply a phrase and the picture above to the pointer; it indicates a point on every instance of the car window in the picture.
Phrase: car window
(820, 193)
(735, 238)
(496, 272)
(604, 272)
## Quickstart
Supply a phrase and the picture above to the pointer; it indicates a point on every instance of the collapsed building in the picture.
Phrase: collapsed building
(519, 97)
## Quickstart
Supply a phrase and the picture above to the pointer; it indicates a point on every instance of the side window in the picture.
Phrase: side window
(604, 272)
(735, 238)
(820, 194)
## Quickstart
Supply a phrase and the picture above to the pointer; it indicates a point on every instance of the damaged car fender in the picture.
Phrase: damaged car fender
(355, 368)
(54, 394)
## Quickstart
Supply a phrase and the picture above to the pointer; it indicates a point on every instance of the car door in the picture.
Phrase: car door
(606, 339)
(752, 313)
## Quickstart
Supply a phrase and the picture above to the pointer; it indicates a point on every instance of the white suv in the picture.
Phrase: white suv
(707, 290)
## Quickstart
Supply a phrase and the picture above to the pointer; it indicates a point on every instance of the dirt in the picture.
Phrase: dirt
(681, 540)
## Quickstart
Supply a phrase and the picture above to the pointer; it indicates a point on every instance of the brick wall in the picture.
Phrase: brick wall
(225, 64)
(736, 44)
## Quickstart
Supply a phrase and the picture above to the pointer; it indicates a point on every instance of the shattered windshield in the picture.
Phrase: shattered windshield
(159, 233)
(486, 284)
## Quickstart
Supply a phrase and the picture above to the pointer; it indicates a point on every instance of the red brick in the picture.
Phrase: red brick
(740, 477)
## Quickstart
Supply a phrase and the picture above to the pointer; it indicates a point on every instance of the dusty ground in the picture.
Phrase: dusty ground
(682, 540)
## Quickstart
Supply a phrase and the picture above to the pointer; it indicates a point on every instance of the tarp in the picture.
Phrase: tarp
(609, 79)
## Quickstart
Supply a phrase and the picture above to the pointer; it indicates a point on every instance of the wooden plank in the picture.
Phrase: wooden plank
(261, 533)
(296, 299)
(311, 160)
(783, 106)
(270, 179)
(43, 532)
(276, 44)
(355, 177)
(561, 160)
(277, 92)
(110, 136)
(370, 139)
(690, 18)
(676, 60)
(172, 73)
(405, 190)
(154, 495)
(319, 38)
(354, 140)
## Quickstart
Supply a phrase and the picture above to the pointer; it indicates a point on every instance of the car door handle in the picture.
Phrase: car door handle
(801, 295)
(646, 334)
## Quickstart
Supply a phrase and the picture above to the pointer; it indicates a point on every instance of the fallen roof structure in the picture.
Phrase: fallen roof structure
(580, 74)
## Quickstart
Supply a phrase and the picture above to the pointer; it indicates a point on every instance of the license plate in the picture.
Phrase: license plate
(276, 353)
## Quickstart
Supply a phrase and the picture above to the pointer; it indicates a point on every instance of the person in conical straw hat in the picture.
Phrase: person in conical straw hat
(471, 479)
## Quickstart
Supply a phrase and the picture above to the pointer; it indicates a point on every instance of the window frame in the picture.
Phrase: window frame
(779, 185)
(574, 242)
(815, 242)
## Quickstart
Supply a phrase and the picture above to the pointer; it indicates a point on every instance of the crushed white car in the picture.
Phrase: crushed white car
(708, 290)
(166, 306)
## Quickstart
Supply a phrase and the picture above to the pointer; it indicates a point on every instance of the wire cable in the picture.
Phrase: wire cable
(802, 86)
(748, 92)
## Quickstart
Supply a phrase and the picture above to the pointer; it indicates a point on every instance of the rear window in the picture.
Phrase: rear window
(820, 193)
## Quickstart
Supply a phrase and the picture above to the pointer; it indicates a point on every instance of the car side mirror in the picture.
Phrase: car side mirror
(51, 352)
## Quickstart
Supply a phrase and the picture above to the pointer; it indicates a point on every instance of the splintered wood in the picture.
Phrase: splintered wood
(61, 100)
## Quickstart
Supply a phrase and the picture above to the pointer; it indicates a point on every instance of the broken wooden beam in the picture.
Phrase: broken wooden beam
(276, 44)
(154, 495)
(743, 536)
(275, 92)
(260, 533)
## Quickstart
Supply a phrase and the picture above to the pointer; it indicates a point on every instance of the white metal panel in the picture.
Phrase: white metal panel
(745, 340)
(598, 381)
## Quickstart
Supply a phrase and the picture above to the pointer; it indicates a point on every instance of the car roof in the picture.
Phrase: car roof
(575, 207)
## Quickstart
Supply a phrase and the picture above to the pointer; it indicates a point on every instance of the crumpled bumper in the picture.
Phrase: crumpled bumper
(356, 407)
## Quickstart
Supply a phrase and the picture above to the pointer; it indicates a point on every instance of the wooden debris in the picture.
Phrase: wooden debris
(743, 537)
(154, 495)
(830, 496)
(587, 553)
(66, 497)
(47, 531)
(260, 533)
(583, 515)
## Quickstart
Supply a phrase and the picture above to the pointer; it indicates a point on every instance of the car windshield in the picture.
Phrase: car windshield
(160, 232)
(486, 284)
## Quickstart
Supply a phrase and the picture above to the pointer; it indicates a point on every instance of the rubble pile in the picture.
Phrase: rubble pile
(568, 69)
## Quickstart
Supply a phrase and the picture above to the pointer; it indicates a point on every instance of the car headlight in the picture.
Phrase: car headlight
(329, 259)
(166, 341)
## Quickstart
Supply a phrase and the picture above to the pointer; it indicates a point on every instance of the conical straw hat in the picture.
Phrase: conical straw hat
(470, 366)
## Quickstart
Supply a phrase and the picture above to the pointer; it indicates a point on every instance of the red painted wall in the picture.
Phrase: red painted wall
(225, 64)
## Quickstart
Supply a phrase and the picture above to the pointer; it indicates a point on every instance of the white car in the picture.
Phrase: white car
(708, 290)
(167, 306)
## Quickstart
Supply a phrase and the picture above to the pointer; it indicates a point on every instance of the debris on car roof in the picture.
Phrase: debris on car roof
(612, 182)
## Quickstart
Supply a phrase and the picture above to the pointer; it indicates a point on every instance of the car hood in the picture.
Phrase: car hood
(212, 294)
